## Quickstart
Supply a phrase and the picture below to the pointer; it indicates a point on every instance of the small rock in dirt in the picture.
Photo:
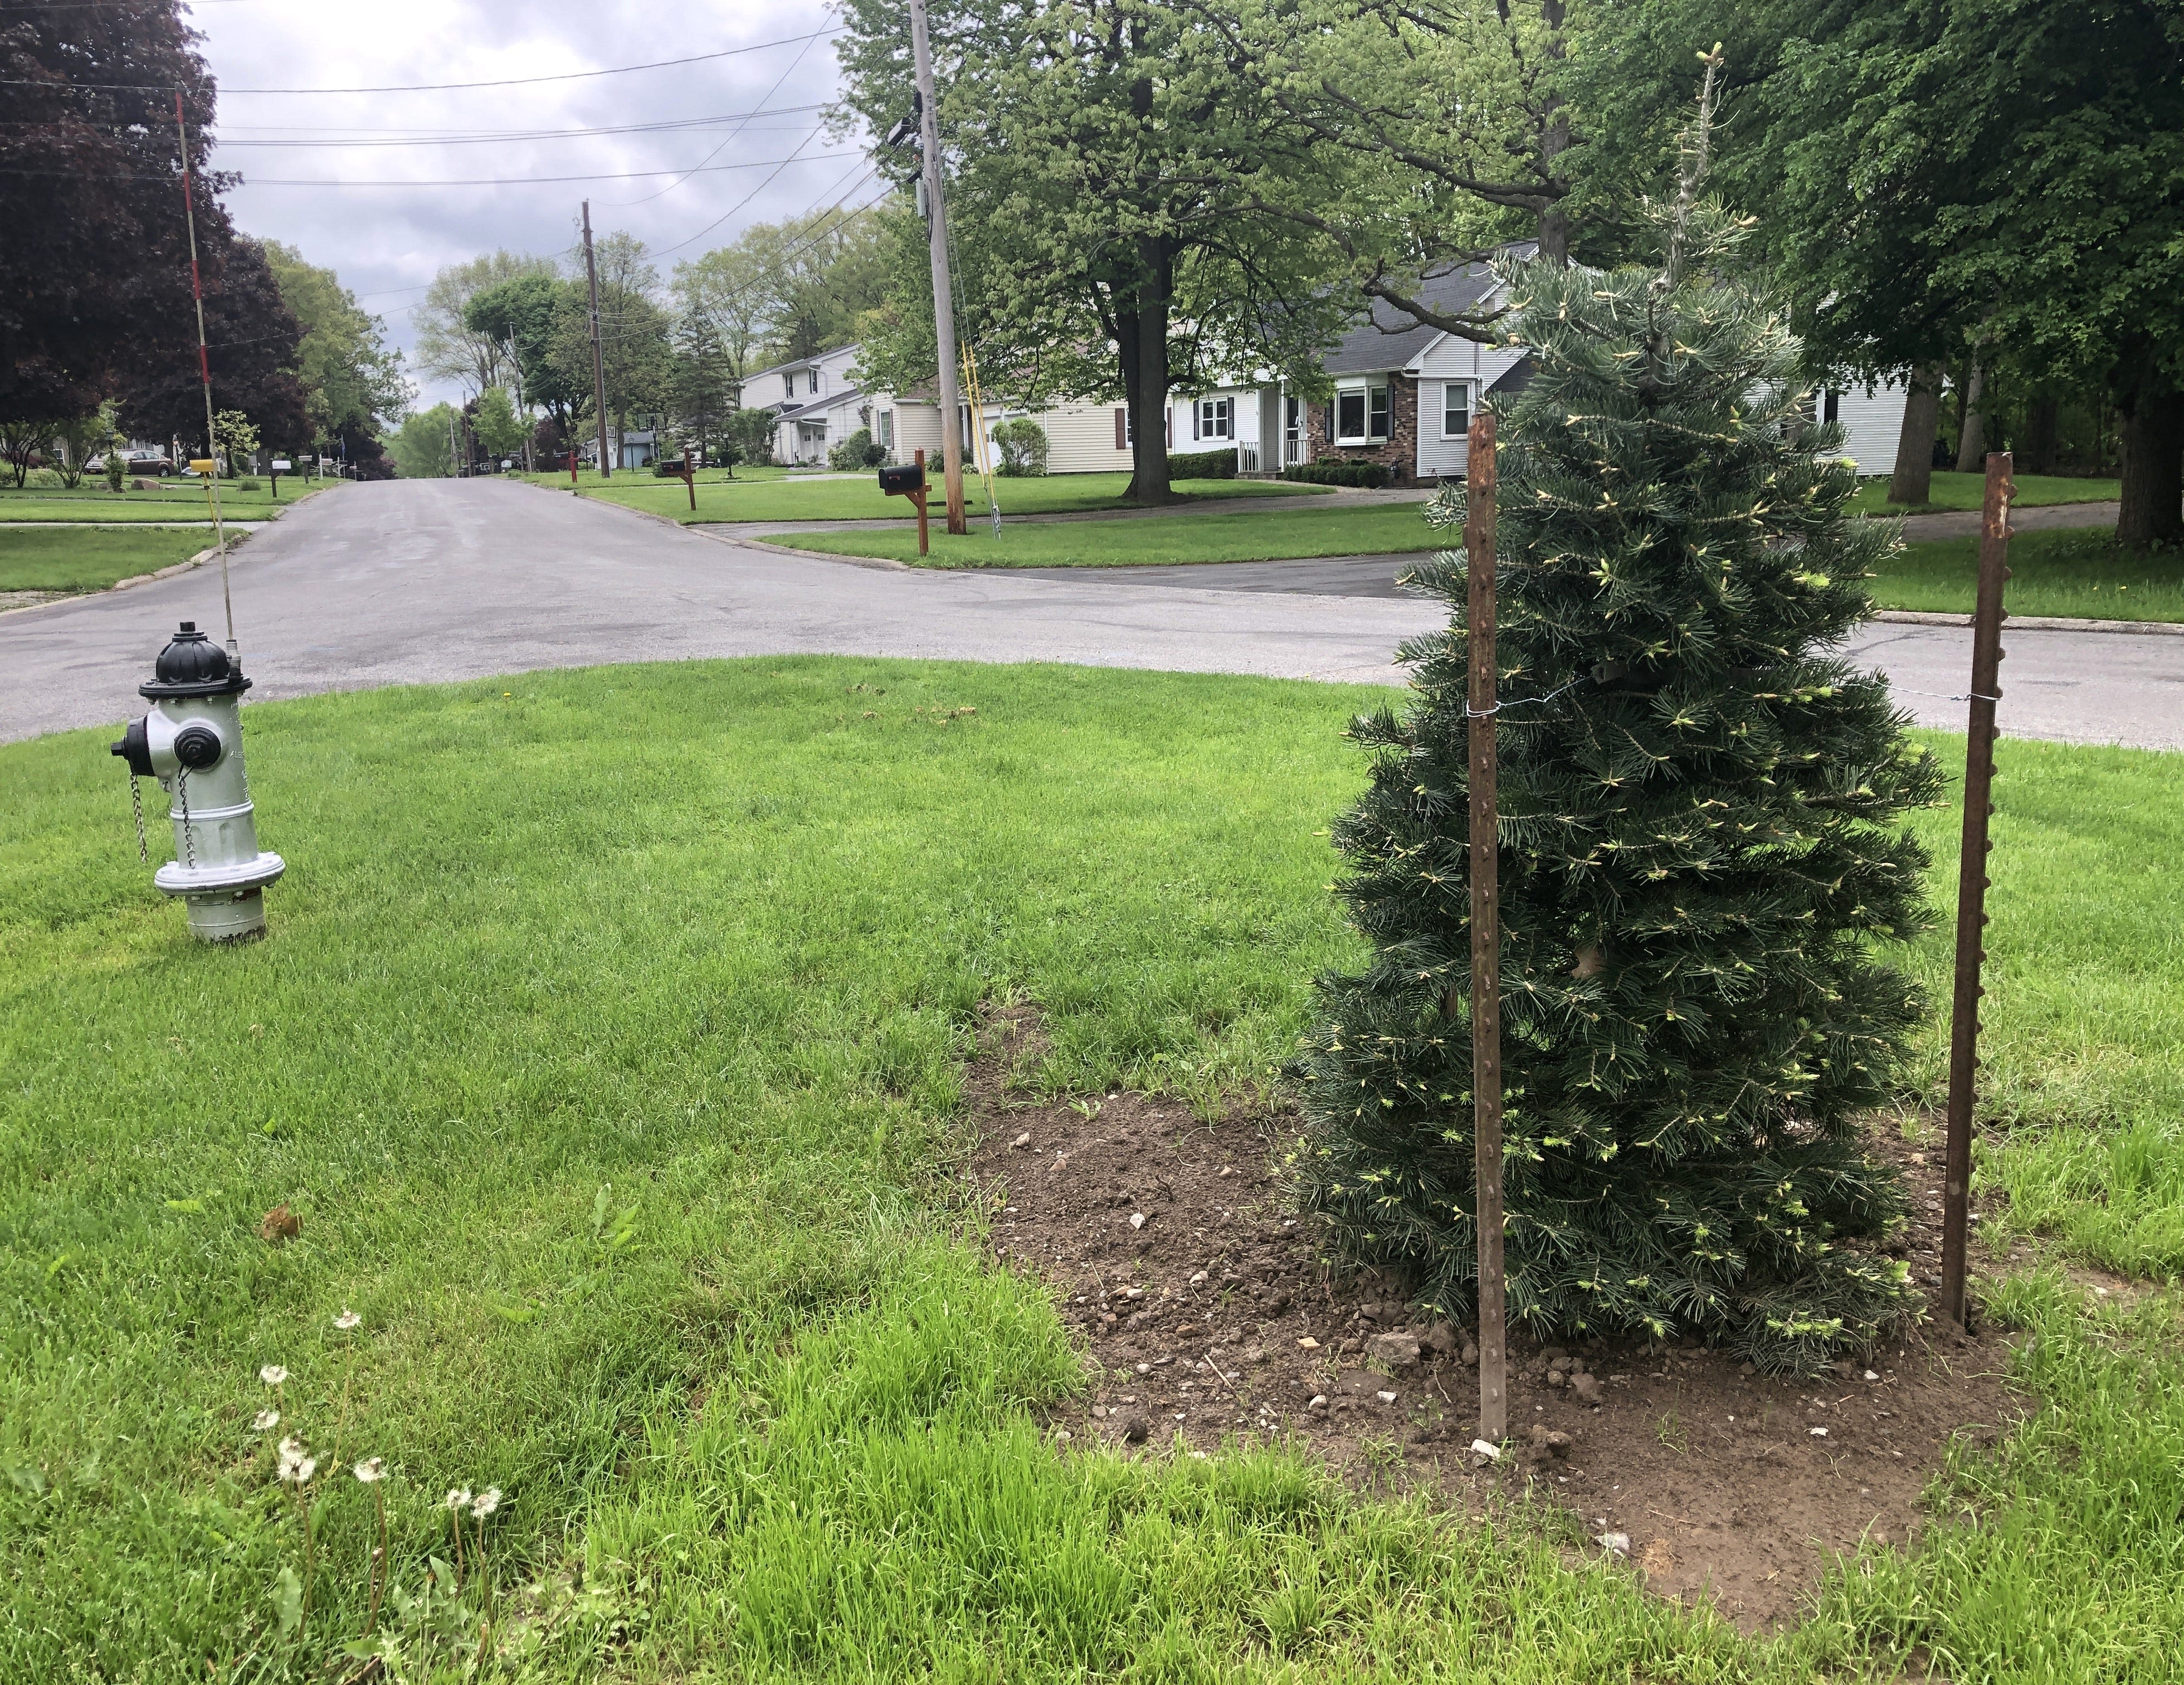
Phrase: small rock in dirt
(1307, 1343)
(1440, 1339)
(1198, 1279)
(1554, 1354)
(1137, 1219)
(1470, 1358)
(1587, 1387)
(1136, 1428)
(1747, 1369)
(1816, 1432)
(1486, 1451)
(1255, 1354)
(1386, 1397)
(1546, 1439)
(1869, 1375)
(1398, 1350)
(1023, 1139)
(1227, 1170)
(1349, 1347)
(1615, 1544)
(1319, 1406)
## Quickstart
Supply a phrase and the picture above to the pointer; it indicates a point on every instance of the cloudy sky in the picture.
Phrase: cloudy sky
(706, 147)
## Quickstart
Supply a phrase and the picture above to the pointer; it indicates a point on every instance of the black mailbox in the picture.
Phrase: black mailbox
(902, 482)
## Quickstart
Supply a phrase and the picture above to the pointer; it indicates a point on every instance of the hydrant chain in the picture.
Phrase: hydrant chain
(136, 805)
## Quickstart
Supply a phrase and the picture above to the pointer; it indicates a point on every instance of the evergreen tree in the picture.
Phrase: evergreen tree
(1701, 850)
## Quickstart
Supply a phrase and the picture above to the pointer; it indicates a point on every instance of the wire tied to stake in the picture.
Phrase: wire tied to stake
(1471, 713)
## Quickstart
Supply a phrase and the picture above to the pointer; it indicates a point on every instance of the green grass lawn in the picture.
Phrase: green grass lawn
(55, 559)
(794, 497)
(2075, 573)
(612, 1073)
(174, 500)
(1180, 537)
(1952, 490)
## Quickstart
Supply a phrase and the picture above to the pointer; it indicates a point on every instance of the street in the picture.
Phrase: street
(424, 581)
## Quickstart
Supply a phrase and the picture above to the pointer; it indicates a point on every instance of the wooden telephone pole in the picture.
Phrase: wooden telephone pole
(598, 363)
(1972, 881)
(1486, 934)
(944, 294)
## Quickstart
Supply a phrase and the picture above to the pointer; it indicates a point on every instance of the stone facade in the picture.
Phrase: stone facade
(1400, 454)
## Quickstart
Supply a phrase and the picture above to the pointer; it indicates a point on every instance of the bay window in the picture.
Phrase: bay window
(1361, 413)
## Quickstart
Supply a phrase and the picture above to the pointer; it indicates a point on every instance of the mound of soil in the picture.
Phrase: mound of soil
(1210, 1315)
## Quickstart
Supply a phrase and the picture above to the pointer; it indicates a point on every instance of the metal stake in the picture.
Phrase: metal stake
(1485, 936)
(204, 375)
(1972, 880)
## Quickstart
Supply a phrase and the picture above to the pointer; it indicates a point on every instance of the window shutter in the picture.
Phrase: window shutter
(1122, 422)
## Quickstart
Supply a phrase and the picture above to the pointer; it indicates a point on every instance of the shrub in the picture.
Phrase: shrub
(1022, 445)
(1703, 855)
(248, 485)
(854, 452)
(1202, 465)
(1371, 476)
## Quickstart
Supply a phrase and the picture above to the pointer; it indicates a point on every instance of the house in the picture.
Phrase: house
(1404, 395)
(816, 401)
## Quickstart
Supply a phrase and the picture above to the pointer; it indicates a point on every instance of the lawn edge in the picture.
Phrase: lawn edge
(167, 572)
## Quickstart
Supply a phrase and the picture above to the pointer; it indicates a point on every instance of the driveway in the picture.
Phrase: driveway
(411, 582)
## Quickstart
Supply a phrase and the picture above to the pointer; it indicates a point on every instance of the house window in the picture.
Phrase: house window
(1213, 418)
(1832, 408)
(886, 420)
(1361, 413)
(1456, 409)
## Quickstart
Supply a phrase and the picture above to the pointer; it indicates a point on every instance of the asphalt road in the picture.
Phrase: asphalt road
(426, 580)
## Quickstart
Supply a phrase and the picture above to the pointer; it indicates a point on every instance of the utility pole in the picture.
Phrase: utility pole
(598, 363)
(943, 296)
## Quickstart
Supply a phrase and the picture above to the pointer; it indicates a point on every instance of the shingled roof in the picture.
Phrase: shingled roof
(1391, 339)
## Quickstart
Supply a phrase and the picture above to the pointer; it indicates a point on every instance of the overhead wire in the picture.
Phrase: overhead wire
(778, 164)
(443, 87)
(787, 71)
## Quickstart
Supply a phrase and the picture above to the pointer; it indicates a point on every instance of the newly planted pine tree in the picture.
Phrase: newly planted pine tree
(1702, 857)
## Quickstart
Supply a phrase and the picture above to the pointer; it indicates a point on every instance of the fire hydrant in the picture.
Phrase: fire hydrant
(191, 742)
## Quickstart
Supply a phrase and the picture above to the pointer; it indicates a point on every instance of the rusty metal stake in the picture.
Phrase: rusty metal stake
(1486, 936)
(1972, 880)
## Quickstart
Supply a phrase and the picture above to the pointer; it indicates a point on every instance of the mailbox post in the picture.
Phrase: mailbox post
(909, 482)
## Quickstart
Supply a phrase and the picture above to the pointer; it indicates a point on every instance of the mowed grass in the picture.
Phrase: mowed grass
(1953, 490)
(2077, 574)
(174, 500)
(612, 1073)
(765, 494)
(1183, 537)
(58, 559)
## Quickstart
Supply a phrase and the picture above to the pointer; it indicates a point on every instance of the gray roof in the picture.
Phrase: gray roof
(1391, 338)
(802, 362)
(831, 400)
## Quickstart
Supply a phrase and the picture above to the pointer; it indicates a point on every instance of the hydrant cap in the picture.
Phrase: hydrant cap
(192, 665)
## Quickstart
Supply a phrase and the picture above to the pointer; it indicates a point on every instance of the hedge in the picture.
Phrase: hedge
(1370, 475)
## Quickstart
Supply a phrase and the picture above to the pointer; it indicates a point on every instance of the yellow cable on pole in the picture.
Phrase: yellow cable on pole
(981, 453)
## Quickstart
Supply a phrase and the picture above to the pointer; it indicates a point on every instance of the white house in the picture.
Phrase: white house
(816, 401)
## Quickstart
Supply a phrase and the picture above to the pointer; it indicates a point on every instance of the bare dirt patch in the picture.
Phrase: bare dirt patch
(1211, 1316)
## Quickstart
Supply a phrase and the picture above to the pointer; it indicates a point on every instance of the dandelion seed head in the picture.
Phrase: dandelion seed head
(486, 1502)
(266, 1420)
(348, 1319)
(370, 1469)
(272, 1375)
(458, 1498)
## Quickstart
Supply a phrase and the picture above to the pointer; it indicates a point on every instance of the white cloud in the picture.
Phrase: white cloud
(383, 240)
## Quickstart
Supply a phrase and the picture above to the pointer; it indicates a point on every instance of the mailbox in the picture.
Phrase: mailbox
(903, 481)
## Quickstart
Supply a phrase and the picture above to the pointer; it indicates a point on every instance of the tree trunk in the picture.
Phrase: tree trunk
(1971, 435)
(2040, 437)
(2151, 511)
(1913, 482)
(1149, 478)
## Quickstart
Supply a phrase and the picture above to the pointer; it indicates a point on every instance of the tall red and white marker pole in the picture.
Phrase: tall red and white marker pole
(204, 373)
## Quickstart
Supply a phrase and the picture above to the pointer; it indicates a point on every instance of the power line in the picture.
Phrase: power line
(778, 165)
(443, 87)
(779, 81)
